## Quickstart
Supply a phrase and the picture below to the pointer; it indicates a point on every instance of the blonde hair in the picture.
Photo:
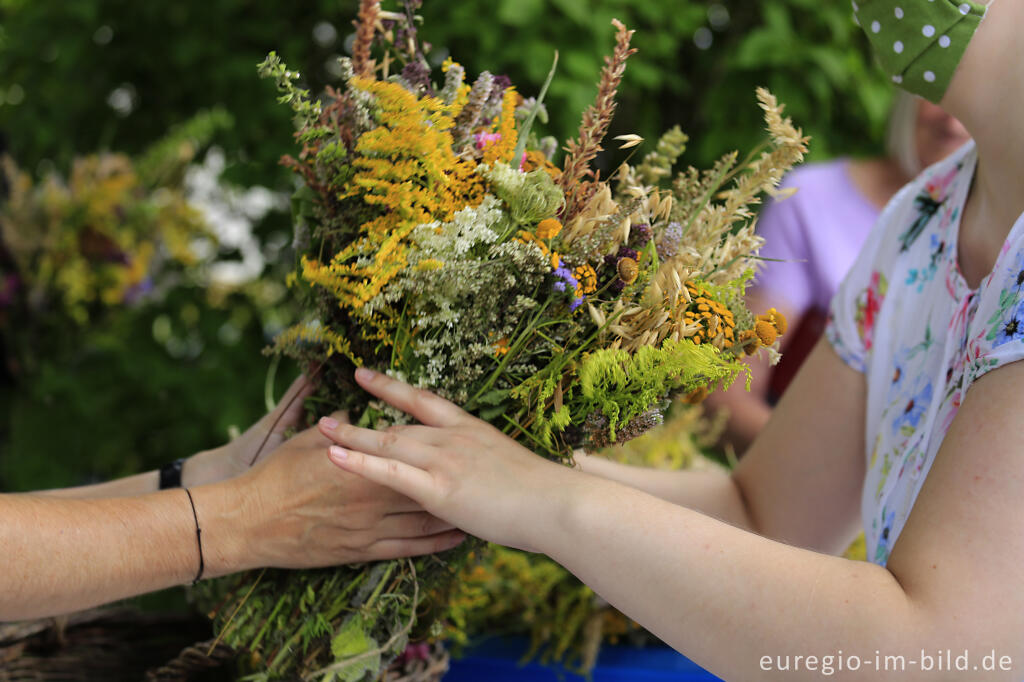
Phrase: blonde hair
(901, 136)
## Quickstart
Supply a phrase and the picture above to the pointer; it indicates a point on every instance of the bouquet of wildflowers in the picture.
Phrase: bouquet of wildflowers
(439, 243)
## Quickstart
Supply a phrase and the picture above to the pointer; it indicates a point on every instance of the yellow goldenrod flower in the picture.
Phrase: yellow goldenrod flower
(505, 146)
(405, 166)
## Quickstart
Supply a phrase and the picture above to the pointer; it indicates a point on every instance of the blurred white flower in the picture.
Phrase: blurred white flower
(231, 214)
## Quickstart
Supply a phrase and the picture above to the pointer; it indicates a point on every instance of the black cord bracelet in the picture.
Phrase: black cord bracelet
(199, 537)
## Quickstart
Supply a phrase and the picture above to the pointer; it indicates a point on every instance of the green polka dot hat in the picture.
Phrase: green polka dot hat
(920, 42)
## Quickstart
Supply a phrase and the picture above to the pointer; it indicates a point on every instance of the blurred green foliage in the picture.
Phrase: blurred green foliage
(99, 74)
(698, 64)
(90, 75)
(93, 74)
(156, 383)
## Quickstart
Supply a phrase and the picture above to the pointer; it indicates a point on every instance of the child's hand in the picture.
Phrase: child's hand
(458, 467)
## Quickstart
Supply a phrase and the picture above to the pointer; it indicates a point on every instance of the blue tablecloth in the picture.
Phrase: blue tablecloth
(498, 661)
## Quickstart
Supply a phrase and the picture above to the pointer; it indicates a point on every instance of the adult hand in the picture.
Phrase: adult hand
(258, 441)
(305, 513)
(458, 467)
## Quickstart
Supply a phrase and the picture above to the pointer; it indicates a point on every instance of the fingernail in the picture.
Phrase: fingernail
(337, 454)
(365, 374)
(329, 423)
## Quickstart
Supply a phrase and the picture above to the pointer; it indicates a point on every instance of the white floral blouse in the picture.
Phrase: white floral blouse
(906, 318)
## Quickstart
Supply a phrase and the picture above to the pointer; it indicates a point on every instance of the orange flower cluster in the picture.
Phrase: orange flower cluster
(714, 318)
(548, 228)
(587, 278)
(501, 347)
(534, 159)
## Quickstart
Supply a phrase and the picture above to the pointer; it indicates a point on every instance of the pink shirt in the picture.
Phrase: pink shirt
(818, 232)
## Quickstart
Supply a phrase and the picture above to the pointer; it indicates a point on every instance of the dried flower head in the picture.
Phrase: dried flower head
(628, 270)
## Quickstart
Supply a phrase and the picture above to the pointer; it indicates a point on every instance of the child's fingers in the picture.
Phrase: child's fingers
(390, 444)
(392, 473)
(428, 408)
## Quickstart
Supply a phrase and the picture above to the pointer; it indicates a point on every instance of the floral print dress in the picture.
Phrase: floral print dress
(906, 318)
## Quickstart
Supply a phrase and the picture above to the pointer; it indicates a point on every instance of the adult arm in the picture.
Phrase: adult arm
(726, 596)
(62, 555)
(293, 510)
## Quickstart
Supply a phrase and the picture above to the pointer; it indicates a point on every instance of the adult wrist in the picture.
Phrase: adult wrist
(227, 528)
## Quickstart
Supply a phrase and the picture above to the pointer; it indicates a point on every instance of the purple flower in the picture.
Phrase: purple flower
(564, 277)
(669, 244)
(417, 74)
(626, 252)
(501, 83)
(576, 304)
(135, 293)
(564, 274)
(640, 235)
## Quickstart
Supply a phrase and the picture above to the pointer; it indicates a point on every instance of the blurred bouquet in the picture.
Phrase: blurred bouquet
(73, 249)
(441, 245)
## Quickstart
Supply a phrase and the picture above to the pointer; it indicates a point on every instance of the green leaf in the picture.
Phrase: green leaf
(352, 643)
(495, 396)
